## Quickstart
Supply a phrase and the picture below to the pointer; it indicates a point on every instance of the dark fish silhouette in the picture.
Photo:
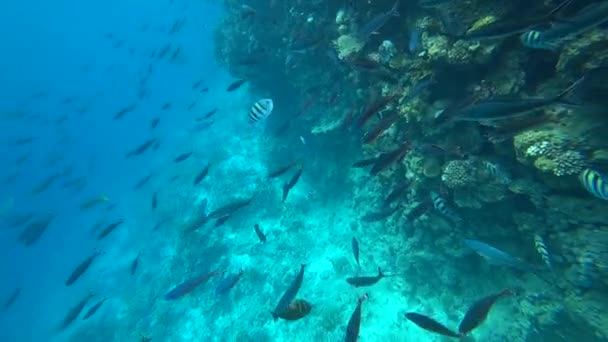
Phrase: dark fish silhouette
(395, 194)
(228, 283)
(123, 112)
(189, 286)
(297, 309)
(289, 295)
(143, 181)
(35, 228)
(430, 324)
(94, 309)
(74, 312)
(207, 115)
(387, 158)
(45, 184)
(11, 300)
(230, 208)
(365, 281)
(377, 22)
(375, 107)
(236, 85)
(166, 106)
(355, 246)
(373, 134)
(379, 215)
(182, 157)
(134, 264)
(154, 122)
(191, 106)
(354, 323)
(365, 162)
(478, 312)
(201, 175)
(292, 182)
(80, 269)
(109, 229)
(259, 233)
(154, 200)
(221, 221)
(281, 170)
(141, 148)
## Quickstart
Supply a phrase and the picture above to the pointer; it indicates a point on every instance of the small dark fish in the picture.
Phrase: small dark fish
(236, 85)
(204, 90)
(142, 182)
(164, 51)
(165, 106)
(228, 283)
(365, 162)
(297, 309)
(134, 264)
(386, 123)
(45, 184)
(109, 229)
(154, 122)
(35, 228)
(230, 208)
(154, 201)
(191, 106)
(375, 107)
(208, 115)
(414, 42)
(189, 285)
(281, 170)
(292, 182)
(387, 158)
(201, 126)
(94, 309)
(11, 300)
(74, 312)
(201, 175)
(159, 224)
(366, 280)
(478, 313)
(196, 84)
(355, 246)
(221, 221)
(259, 233)
(182, 157)
(430, 324)
(23, 141)
(141, 148)
(379, 215)
(354, 323)
(397, 192)
(289, 295)
(175, 54)
(80, 269)
(123, 112)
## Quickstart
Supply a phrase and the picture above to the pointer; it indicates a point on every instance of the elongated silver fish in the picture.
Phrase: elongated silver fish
(587, 19)
(260, 110)
(377, 22)
(542, 249)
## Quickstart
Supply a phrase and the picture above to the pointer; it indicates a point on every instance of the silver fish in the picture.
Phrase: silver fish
(495, 256)
(377, 22)
(542, 249)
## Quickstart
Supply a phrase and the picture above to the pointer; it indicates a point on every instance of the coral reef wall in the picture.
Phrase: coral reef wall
(356, 94)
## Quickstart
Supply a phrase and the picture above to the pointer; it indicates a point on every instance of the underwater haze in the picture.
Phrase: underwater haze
(266, 170)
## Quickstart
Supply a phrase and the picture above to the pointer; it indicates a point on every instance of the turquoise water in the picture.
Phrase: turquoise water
(69, 68)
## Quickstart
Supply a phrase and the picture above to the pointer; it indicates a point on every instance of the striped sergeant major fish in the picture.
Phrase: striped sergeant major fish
(542, 249)
(260, 110)
(585, 20)
(440, 205)
(594, 183)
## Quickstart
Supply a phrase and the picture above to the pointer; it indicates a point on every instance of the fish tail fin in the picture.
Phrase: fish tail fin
(274, 315)
(380, 273)
(554, 15)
